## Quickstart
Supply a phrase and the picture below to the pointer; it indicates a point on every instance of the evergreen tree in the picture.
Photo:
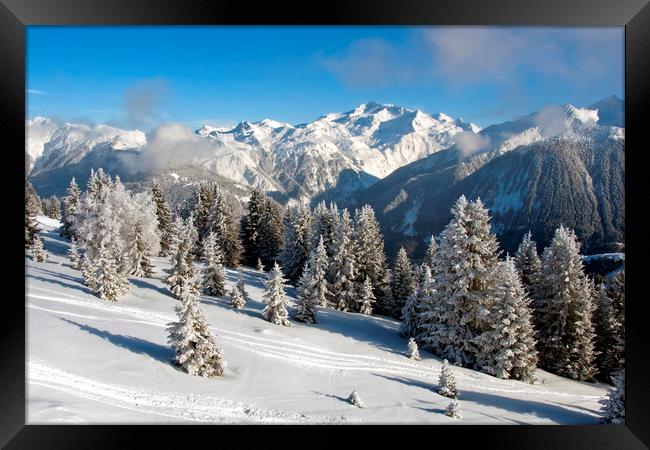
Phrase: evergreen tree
(88, 271)
(322, 226)
(45, 207)
(463, 283)
(223, 225)
(214, 277)
(275, 299)
(313, 290)
(453, 410)
(31, 229)
(203, 201)
(614, 405)
(528, 265)
(422, 311)
(242, 288)
(182, 272)
(402, 283)
(32, 209)
(70, 207)
(307, 296)
(344, 292)
(616, 292)
(342, 270)
(32, 200)
(196, 351)
(296, 241)
(270, 232)
(355, 398)
(139, 254)
(507, 348)
(54, 210)
(260, 266)
(447, 381)
(369, 255)
(73, 253)
(164, 218)
(430, 255)
(237, 299)
(413, 351)
(39, 254)
(250, 227)
(108, 283)
(610, 356)
(193, 236)
(366, 298)
(565, 330)
(410, 326)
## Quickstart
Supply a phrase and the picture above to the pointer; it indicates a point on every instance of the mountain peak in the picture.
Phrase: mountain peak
(583, 115)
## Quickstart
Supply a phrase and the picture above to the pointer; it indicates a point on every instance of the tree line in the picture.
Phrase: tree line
(464, 302)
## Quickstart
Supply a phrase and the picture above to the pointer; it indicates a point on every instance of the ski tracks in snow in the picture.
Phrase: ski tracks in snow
(192, 407)
(303, 355)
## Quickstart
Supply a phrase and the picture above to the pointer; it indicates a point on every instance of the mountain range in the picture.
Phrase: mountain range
(562, 164)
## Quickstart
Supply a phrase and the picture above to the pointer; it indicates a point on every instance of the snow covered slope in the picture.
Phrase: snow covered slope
(90, 361)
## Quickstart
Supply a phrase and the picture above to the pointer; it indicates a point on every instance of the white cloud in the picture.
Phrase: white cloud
(469, 143)
(35, 92)
(468, 55)
(171, 143)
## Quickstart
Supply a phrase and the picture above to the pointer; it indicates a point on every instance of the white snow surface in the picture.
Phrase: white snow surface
(90, 361)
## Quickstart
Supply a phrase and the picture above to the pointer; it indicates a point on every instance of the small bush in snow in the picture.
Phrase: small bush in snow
(453, 410)
(413, 351)
(447, 381)
(355, 399)
(237, 299)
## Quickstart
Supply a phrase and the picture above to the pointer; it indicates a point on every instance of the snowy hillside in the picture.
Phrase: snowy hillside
(91, 361)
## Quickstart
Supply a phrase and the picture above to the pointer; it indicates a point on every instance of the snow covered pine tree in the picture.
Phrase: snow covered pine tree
(413, 351)
(566, 334)
(447, 381)
(507, 348)
(313, 290)
(614, 404)
(453, 410)
(214, 276)
(275, 299)
(139, 254)
(236, 298)
(366, 298)
(355, 398)
(73, 253)
(402, 283)
(39, 254)
(194, 345)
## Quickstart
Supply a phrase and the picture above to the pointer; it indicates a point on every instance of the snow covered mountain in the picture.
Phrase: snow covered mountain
(352, 149)
(551, 167)
(560, 163)
(52, 146)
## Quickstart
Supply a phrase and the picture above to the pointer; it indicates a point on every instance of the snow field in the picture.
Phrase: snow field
(100, 362)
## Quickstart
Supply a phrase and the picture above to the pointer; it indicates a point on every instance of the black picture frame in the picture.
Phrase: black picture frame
(634, 15)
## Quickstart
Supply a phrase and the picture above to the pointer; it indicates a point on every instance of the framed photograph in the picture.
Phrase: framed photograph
(386, 213)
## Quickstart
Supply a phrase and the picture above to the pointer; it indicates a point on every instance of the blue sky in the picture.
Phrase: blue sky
(143, 76)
